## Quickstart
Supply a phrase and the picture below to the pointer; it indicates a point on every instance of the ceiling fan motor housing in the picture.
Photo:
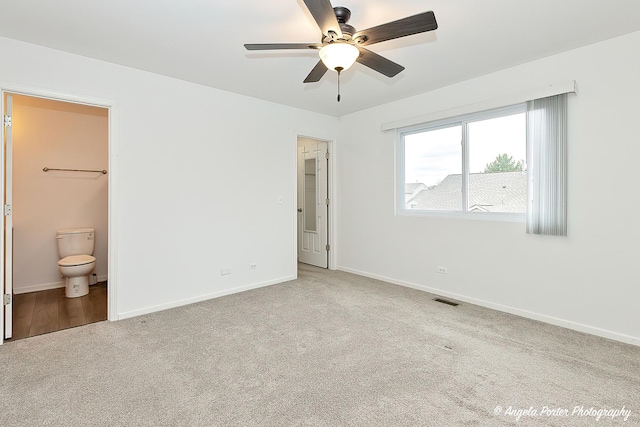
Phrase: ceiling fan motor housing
(343, 15)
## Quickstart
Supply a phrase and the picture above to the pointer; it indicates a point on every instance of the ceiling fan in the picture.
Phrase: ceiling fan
(342, 45)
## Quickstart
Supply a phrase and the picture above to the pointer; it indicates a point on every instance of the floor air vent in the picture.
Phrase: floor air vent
(444, 301)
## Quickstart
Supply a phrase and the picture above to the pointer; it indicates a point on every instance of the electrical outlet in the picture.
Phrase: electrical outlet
(253, 266)
(225, 271)
(442, 270)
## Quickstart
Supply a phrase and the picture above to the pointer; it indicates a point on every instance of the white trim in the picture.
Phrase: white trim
(333, 214)
(294, 206)
(7, 314)
(18, 89)
(2, 234)
(604, 333)
(471, 215)
(114, 205)
(47, 286)
(113, 142)
(549, 90)
(459, 120)
(39, 287)
(205, 297)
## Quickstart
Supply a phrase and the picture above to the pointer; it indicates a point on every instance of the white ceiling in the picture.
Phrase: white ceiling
(202, 41)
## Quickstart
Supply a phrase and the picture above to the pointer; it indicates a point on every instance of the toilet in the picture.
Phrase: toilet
(75, 248)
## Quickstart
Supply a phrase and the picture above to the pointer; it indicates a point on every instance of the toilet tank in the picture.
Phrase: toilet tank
(75, 241)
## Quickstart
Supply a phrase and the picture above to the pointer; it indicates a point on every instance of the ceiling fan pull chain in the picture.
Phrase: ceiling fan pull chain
(339, 69)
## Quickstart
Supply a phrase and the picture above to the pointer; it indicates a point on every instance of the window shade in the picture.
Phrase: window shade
(547, 165)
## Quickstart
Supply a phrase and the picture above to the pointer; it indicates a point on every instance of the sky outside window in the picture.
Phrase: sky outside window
(493, 137)
(431, 156)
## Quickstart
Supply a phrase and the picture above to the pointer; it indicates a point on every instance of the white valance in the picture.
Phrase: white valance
(549, 90)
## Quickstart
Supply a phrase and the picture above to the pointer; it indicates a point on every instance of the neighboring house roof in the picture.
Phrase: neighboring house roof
(412, 189)
(488, 192)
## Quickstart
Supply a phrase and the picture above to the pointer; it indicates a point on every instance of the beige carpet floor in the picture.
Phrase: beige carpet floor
(328, 349)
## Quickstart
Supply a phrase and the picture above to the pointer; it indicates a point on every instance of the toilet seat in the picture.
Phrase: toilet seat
(74, 260)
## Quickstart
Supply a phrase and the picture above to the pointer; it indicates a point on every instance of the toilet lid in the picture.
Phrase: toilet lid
(76, 260)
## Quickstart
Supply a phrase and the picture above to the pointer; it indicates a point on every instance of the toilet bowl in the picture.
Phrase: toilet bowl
(76, 270)
(75, 248)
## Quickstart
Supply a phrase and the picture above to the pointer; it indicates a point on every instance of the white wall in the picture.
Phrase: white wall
(589, 280)
(56, 135)
(199, 174)
(189, 156)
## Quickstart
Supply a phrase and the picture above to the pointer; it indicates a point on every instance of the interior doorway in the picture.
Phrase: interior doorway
(313, 201)
(55, 172)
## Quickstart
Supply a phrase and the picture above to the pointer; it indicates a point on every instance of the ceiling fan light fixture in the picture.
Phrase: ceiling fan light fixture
(339, 55)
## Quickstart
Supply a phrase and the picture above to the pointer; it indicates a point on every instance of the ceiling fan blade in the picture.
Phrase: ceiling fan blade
(276, 46)
(325, 17)
(378, 63)
(415, 24)
(317, 73)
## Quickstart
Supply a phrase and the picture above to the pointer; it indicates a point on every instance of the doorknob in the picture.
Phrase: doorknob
(300, 210)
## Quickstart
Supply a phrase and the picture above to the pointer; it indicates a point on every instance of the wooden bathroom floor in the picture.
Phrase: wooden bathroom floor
(47, 311)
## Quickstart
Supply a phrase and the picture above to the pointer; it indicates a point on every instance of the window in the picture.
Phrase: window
(472, 165)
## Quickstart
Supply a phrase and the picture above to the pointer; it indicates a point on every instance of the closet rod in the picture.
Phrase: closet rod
(46, 169)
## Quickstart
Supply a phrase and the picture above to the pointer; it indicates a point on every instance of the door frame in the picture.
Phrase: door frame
(312, 244)
(331, 194)
(113, 177)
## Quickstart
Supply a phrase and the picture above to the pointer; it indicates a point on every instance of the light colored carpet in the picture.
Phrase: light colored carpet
(330, 349)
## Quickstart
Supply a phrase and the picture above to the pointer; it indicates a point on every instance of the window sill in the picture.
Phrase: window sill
(476, 216)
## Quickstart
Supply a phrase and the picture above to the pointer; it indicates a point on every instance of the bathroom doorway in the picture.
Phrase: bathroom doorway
(56, 160)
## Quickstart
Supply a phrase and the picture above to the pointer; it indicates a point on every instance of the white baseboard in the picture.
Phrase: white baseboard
(186, 301)
(505, 308)
(40, 287)
(47, 286)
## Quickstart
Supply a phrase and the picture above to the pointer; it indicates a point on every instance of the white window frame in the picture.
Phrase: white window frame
(461, 120)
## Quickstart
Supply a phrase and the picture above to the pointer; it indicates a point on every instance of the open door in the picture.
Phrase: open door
(8, 223)
(313, 202)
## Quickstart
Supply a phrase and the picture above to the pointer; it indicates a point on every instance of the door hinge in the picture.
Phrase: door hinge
(327, 201)
(328, 247)
(7, 210)
(326, 155)
(7, 121)
(6, 299)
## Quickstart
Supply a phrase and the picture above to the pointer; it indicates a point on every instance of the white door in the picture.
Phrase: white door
(313, 202)
(8, 223)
